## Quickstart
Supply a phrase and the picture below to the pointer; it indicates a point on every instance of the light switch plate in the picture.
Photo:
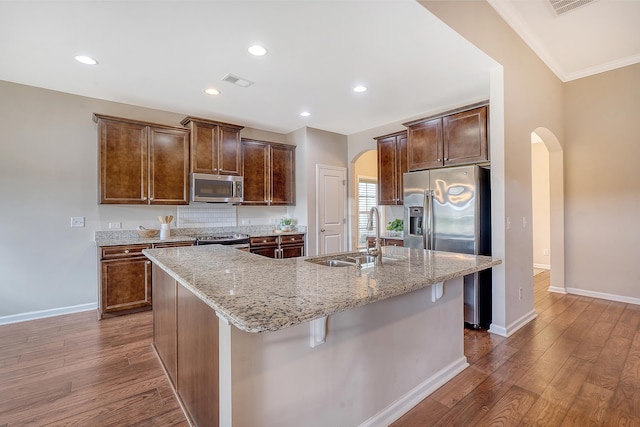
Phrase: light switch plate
(77, 221)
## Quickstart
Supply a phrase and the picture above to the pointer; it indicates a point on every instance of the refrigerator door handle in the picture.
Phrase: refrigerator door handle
(428, 219)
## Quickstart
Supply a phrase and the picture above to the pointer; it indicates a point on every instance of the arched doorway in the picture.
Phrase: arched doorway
(547, 160)
(364, 167)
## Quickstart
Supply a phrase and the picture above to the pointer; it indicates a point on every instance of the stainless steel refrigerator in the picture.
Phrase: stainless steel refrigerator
(449, 210)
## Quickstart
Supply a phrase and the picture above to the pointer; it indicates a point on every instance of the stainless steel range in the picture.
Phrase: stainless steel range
(223, 239)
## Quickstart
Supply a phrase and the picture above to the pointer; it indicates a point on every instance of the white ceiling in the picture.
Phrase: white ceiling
(590, 39)
(163, 54)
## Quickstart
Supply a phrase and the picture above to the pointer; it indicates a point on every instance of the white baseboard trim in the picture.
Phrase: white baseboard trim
(33, 315)
(542, 266)
(557, 290)
(404, 404)
(514, 326)
(603, 295)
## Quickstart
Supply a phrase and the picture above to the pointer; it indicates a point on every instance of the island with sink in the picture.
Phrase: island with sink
(345, 339)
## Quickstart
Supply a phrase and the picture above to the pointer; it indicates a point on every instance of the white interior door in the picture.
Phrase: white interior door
(331, 202)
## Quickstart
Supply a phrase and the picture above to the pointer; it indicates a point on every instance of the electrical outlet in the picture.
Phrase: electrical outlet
(524, 222)
(520, 293)
(545, 252)
(508, 223)
(77, 221)
(115, 225)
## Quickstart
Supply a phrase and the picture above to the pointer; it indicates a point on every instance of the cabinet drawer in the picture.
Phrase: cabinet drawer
(174, 244)
(263, 241)
(291, 239)
(110, 252)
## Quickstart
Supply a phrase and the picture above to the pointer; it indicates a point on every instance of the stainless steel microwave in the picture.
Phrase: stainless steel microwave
(216, 188)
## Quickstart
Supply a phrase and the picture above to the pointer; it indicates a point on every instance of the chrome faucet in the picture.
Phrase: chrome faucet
(376, 251)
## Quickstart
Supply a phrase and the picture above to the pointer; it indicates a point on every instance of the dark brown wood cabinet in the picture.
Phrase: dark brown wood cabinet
(384, 241)
(142, 163)
(291, 245)
(424, 148)
(185, 336)
(264, 245)
(283, 246)
(165, 312)
(465, 137)
(269, 173)
(456, 137)
(125, 280)
(392, 164)
(215, 146)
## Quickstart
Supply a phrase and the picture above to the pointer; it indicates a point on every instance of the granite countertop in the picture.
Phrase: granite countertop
(130, 237)
(258, 294)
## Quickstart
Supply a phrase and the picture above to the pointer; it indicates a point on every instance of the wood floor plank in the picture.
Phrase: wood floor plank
(510, 409)
(589, 408)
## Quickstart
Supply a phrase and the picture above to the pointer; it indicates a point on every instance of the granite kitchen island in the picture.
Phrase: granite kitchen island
(253, 341)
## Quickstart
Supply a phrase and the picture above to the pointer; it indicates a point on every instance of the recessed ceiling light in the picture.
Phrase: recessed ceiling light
(257, 50)
(86, 60)
(360, 89)
(212, 91)
(305, 114)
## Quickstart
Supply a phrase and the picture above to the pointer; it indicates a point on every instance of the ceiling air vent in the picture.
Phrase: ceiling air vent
(238, 81)
(564, 6)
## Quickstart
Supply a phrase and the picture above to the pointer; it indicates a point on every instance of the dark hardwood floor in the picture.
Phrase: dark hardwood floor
(577, 364)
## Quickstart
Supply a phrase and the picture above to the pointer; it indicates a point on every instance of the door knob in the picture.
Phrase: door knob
(322, 230)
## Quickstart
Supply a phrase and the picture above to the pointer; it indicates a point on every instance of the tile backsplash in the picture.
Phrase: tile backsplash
(207, 215)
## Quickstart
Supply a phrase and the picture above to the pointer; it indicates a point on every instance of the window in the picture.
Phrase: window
(367, 198)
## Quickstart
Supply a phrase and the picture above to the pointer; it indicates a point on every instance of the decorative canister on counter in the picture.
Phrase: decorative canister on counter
(165, 232)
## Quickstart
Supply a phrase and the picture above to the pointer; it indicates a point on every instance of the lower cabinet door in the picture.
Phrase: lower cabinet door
(198, 359)
(292, 251)
(268, 251)
(126, 284)
(165, 319)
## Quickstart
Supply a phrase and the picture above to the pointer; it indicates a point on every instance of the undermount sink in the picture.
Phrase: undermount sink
(350, 260)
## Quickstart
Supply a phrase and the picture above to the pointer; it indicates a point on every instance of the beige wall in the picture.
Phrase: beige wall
(530, 96)
(49, 173)
(540, 207)
(602, 184)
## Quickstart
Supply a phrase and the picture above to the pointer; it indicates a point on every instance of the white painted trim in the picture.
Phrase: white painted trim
(542, 266)
(603, 295)
(33, 315)
(557, 290)
(514, 326)
(405, 403)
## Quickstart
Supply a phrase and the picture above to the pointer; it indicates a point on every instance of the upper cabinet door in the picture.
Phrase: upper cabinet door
(123, 162)
(229, 151)
(282, 174)
(465, 137)
(255, 159)
(402, 165)
(387, 175)
(215, 146)
(168, 166)
(392, 163)
(424, 148)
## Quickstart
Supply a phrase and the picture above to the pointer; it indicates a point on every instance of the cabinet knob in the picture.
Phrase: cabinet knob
(446, 159)
(148, 262)
(264, 241)
(126, 251)
(150, 198)
(438, 160)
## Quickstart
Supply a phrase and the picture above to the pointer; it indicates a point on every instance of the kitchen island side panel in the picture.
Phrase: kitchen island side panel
(377, 360)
